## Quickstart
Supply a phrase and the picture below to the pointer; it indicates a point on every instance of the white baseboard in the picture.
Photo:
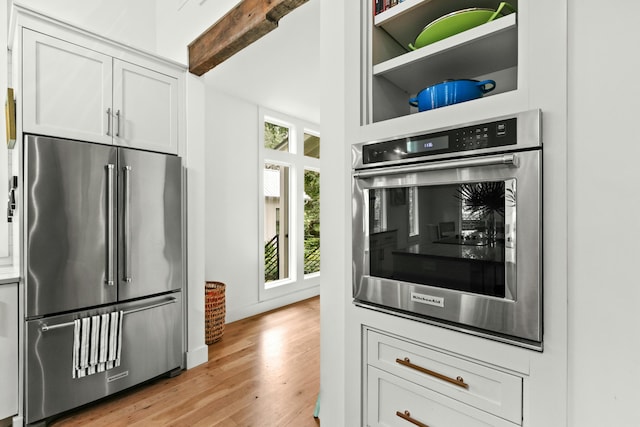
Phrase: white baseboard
(197, 356)
(264, 306)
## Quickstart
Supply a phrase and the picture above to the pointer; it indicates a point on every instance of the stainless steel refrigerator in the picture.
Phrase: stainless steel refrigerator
(103, 234)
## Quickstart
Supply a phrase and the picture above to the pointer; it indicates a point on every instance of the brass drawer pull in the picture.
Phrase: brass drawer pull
(459, 381)
(406, 415)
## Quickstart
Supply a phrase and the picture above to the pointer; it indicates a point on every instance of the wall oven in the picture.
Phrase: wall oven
(447, 227)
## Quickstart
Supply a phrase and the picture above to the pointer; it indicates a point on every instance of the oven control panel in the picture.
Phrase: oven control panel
(484, 136)
(499, 133)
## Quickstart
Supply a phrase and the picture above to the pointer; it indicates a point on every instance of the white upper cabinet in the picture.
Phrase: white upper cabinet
(66, 89)
(145, 106)
(75, 92)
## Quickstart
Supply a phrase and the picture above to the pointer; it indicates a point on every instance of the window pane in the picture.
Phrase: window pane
(311, 146)
(276, 222)
(311, 222)
(276, 137)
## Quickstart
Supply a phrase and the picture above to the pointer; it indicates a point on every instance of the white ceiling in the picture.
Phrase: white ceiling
(280, 71)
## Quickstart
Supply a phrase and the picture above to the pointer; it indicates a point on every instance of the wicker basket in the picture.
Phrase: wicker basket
(214, 311)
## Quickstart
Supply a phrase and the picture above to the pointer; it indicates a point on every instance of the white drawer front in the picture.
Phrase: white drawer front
(389, 395)
(488, 389)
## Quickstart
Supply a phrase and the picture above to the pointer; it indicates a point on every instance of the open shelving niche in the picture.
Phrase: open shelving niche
(395, 73)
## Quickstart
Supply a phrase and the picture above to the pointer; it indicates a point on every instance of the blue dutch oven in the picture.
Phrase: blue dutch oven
(451, 92)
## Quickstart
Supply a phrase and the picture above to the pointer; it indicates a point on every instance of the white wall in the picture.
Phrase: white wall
(233, 249)
(194, 162)
(604, 201)
(231, 198)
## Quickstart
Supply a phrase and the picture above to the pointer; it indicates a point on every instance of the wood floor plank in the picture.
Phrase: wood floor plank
(265, 372)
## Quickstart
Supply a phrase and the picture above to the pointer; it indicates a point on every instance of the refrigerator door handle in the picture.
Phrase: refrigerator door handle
(45, 327)
(127, 224)
(111, 231)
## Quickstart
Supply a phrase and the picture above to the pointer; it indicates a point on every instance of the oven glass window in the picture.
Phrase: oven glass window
(451, 236)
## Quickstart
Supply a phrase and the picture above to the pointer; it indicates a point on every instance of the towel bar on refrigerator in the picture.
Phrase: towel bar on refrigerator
(46, 327)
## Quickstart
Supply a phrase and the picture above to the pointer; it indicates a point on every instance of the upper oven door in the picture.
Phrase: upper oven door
(456, 240)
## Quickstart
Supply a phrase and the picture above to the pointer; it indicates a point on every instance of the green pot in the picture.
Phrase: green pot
(457, 22)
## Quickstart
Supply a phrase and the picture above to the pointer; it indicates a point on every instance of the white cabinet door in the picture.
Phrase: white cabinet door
(66, 89)
(8, 350)
(145, 105)
(487, 389)
(394, 402)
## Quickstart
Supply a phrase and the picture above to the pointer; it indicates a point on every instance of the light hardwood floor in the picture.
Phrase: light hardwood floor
(265, 372)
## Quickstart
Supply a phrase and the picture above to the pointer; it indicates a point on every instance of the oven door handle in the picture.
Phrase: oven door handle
(504, 159)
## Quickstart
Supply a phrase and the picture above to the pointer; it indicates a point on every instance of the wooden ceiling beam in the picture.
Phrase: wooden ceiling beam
(241, 26)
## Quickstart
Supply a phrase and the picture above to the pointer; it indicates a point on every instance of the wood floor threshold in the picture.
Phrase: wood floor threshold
(264, 372)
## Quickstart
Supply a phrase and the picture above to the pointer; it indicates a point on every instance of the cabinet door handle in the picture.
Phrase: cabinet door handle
(118, 124)
(108, 121)
(406, 415)
(459, 381)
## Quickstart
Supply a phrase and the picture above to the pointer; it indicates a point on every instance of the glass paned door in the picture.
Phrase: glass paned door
(276, 222)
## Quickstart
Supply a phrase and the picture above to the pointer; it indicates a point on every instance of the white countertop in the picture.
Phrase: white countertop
(9, 275)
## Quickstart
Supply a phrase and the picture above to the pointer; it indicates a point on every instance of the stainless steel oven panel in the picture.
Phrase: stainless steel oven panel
(519, 314)
(529, 135)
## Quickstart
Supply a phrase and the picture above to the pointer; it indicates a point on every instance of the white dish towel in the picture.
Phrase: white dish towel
(97, 343)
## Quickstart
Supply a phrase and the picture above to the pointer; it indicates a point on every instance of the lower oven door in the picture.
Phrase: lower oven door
(454, 241)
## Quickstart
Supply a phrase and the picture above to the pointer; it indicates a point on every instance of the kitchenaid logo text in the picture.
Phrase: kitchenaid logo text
(117, 377)
(427, 299)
